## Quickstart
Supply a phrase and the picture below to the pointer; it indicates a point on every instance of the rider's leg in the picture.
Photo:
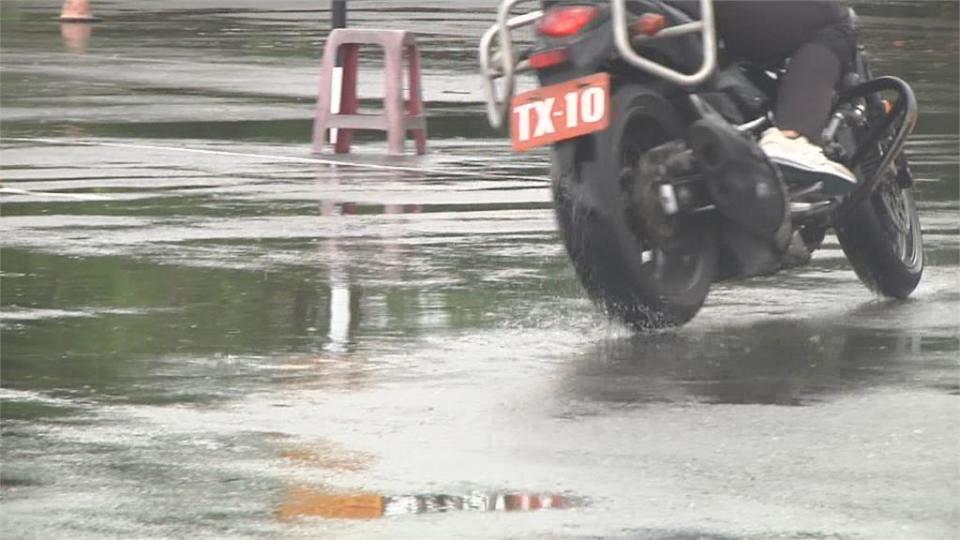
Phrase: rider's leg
(818, 38)
(813, 71)
(806, 91)
(804, 102)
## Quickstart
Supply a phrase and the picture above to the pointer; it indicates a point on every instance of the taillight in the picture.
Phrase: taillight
(545, 59)
(649, 24)
(566, 20)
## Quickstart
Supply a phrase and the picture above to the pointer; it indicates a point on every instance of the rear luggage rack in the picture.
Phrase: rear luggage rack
(509, 65)
(705, 26)
(505, 64)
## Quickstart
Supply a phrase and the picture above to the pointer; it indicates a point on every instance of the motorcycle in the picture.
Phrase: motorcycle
(659, 186)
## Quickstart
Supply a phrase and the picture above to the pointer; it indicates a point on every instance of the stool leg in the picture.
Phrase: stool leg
(393, 96)
(321, 115)
(415, 105)
(348, 95)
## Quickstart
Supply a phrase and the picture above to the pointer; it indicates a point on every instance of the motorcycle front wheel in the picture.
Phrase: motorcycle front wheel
(629, 273)
(882, 240)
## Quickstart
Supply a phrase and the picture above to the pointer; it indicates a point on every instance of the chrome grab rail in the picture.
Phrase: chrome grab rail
(497, 107)
(706, 26)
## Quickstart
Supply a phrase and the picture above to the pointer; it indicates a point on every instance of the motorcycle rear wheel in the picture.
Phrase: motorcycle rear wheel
(624, 271)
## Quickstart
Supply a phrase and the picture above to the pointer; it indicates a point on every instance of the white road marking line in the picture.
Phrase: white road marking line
(77, 196)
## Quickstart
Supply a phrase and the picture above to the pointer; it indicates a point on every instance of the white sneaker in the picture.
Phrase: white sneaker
(806, 161)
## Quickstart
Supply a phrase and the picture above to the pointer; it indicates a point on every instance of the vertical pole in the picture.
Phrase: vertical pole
(338, 19)
(338, 16)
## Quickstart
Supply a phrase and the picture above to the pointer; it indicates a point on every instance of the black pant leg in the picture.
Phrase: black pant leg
(816, 35)
(806, 91)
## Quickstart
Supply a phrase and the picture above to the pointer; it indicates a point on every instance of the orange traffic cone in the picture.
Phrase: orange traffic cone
(77, 11)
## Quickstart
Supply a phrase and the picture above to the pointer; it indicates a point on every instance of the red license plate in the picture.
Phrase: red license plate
(560, 111)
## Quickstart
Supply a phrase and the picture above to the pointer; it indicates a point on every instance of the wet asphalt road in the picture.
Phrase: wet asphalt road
(209, 333)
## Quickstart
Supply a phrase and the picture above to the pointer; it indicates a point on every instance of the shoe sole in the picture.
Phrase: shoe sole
(832, 182)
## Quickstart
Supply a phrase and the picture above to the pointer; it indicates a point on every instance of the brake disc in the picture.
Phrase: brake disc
(641, 185)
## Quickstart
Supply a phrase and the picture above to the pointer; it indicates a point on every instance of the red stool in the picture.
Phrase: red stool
(399, 115)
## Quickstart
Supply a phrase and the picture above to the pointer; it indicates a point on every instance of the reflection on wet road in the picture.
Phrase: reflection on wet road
(300, 502)
(208, 332)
